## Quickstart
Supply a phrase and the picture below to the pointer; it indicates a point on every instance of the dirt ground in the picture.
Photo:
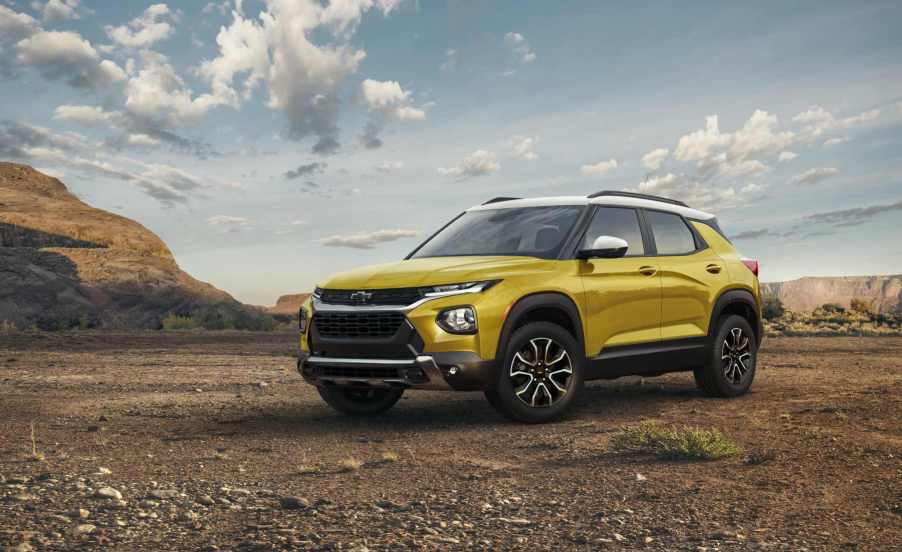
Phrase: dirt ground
(210, 441)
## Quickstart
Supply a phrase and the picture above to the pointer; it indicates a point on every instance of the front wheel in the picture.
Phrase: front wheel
(731, 362)
(541, 374)
(359, 401)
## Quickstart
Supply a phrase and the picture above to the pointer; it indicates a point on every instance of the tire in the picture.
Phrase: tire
(359, 401)
(732, 357)
(531, 390)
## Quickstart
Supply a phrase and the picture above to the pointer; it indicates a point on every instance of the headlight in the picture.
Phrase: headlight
(459, 320)
(302, 320)
(453, 289)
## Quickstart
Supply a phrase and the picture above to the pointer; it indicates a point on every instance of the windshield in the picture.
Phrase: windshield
(528, 231)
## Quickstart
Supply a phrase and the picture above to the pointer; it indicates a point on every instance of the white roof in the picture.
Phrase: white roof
(617, 201)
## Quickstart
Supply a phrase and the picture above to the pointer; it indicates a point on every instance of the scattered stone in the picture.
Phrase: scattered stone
(24, 497)
(294, 503)
(648, 540)
(23, 547)
(162, 494)
(640, 477)
(80, 513)
(262, 384)
(205, 500)
(83, 529)
(60, 519)
(18, 479)
(108, 493)
(224, 501)
(94, 428)
(518, 522)
(188, 516)
(619, 537)
(103, 471)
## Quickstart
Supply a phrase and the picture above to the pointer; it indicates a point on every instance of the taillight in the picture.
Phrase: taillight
(752, 265)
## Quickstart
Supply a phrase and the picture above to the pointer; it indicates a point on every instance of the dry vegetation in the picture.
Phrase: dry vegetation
(830, 320)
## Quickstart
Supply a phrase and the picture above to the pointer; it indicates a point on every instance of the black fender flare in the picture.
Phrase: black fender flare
(730, 297)
(533, 302)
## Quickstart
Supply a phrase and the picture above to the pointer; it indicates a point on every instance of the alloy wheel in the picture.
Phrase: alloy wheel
(541, 372)
(736, 354)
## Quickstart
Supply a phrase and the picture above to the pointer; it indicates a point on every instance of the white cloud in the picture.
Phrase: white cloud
(522, 147)
(452, 59)
(600, 168)
(817, 121)
(138, 139)
(145, 30)
(367, 240)
(786, 156)
(835, 141)
(519, 46)
(157, 92)
(66, 55)
(390, 99)
(389, 166)
(59, 10)
(478, 163)
(88, 115)
(655, 158)
(227, 220)
(303, 79)
(698, 194)
(814, 176)
(14, 26)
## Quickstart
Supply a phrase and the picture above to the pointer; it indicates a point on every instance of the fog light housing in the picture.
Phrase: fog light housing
(459, 320)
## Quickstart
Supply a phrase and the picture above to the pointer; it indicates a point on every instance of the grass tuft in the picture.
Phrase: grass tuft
(389, 457)
(35, 455)
(677, 443)
(349, 465)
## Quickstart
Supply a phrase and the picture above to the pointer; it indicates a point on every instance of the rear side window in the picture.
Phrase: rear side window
(619, 223)
(672, 236)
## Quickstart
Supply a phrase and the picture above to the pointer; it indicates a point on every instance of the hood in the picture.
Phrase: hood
(432, 271)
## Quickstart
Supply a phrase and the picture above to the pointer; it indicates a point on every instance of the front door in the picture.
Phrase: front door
(623, 296)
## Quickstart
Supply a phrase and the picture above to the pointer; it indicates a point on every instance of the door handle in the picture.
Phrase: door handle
(648, 270)
(714, 268)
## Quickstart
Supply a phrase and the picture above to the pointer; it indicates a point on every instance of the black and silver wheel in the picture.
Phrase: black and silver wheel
(732, 358)
(359, 401)
(540, 376)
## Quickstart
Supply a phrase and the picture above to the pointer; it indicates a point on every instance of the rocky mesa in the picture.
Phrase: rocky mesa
(806, 294)
(64, 263)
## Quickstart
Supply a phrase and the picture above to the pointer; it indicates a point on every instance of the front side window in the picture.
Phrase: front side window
(620, 223)
(672, 236)
(527, 231)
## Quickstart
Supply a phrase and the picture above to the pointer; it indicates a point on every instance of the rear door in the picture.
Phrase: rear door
(691, 275)
(623, 296)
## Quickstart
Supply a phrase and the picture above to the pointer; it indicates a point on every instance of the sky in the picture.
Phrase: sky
(273, 143)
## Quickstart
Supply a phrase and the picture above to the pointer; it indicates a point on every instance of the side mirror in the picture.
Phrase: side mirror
(605, 247)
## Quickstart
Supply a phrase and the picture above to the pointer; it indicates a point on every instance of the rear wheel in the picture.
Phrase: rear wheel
(732, 358)
(541, 374)
(359, 401)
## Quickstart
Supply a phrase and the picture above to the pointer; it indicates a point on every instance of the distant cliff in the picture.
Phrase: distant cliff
(806, 294)
(288, 304)
(64, 263)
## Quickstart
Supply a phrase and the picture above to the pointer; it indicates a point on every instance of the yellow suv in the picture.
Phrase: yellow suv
(525, 299)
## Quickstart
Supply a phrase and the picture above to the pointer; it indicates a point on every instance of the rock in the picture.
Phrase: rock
(103, 471)
(60, 519)
(640, 477)
(294, 503)
(188, 516)
(108, 493)
(23, 547)
(262, 384)
(83, 529)
(205, 500)
(517, 522)
(18, 479)
(162, 494)
(80, 513)
(24, 497)
(648, 540)
(224, 501)
(618, 537)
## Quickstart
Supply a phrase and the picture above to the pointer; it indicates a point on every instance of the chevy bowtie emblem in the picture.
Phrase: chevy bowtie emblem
(360, 296)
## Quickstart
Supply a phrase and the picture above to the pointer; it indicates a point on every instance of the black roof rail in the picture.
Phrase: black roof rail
(500, 198)
(637, 196)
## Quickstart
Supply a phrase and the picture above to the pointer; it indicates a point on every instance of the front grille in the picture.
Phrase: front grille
(374, 372)
(358, 324)
(381, 297)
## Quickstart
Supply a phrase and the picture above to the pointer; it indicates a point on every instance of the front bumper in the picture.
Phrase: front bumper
(460, 371)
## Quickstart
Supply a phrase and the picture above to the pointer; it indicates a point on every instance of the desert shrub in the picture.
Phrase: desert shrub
(176, 322)
(681, 443)
(772, 307)
(862, 306)
(222, 316)
(833, 308)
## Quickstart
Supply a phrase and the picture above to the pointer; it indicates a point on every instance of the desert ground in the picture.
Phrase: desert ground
(210, 441)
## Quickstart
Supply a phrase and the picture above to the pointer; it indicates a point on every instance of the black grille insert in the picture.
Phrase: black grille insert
(358, 324)
(382, 297)
(373, 372)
